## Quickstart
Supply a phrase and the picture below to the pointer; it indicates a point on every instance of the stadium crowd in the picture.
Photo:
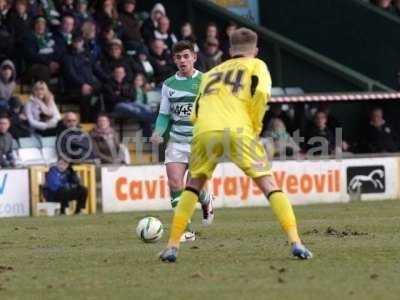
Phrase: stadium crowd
(106, 57)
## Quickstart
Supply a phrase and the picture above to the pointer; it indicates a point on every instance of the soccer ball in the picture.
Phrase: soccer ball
(149, 229)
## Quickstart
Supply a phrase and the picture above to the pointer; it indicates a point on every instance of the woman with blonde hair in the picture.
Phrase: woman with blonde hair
(41, 110)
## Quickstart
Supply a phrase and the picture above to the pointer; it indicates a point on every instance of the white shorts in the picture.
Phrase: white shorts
(179, 153)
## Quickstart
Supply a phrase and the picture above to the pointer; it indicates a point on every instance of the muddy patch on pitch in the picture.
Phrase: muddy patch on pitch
(330, 231)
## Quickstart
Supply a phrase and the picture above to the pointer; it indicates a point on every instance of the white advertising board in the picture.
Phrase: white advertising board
(305, 182)
(14, 193)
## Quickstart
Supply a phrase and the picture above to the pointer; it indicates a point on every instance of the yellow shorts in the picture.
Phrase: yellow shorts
(210, 148)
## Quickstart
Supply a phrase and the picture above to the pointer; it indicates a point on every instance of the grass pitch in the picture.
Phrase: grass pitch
(242, 256)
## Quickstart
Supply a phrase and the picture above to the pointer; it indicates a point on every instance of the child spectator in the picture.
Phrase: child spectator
(105, 142)
(7, 87)
(63, 185)
(7, 159)
(141, 88)
(41, 110)
(321, 138)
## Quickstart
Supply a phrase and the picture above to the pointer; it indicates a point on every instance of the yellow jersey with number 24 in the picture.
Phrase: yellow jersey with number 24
(233, 96)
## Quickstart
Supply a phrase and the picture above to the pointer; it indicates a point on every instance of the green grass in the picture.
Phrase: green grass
(242, 256)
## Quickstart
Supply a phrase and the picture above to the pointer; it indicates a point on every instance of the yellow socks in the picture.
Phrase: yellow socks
(183, 212)
(285, 215)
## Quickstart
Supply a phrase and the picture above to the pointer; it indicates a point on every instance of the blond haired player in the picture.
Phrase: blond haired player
(227, 120)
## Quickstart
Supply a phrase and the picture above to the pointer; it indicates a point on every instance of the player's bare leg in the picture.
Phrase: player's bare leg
(176, 174)
(284, 213)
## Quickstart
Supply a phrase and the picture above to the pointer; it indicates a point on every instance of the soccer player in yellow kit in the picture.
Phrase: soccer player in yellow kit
(227, 119)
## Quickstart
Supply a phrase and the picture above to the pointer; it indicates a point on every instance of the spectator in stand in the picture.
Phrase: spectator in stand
(379, 136)
(120, 99)
(67, 8)
(47, 9)
(211, 32)
(7, 158)
(41, 110)
(63, 37)
(40, 53)
(142, 64)
(151, 23)
(106, 146)
(275, 111)
(19, 122)
(141, 88)
(321, 138)
(63, 185)
(187, 34)
(131, 35)
(7, 87)
(6, 38)
(283, 144)
(73, 144)
(107, 15)
(225, 45)
(92, 46)
(212, 55)
(160, 58)
(79, 74)
(115, 57)
(106, 36)
(164, 33)
(82, 14)
(19, 23)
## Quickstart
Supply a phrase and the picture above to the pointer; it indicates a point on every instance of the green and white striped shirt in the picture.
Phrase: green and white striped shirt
(178, 96)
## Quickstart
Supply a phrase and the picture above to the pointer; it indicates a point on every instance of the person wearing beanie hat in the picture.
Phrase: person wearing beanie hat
(151, 23)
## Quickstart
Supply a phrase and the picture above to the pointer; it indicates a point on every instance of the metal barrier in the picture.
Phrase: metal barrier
(86, 173)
